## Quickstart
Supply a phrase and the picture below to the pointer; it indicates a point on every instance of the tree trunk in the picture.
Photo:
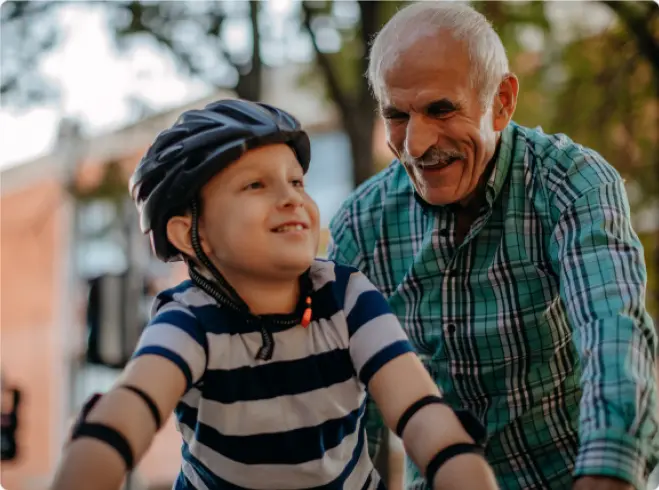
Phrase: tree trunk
(250, 76)
(359, 126)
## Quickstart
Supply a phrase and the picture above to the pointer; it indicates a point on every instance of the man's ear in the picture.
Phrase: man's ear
(505, 102)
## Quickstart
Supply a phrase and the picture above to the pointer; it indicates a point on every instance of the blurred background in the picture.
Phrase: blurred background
(85, 87)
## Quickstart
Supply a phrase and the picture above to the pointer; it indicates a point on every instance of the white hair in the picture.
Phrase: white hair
(486, 52)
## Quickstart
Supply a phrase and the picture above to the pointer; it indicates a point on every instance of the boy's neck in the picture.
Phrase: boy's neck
(264, 296)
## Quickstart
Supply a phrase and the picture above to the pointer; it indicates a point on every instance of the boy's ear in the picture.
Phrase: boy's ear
(178, 234)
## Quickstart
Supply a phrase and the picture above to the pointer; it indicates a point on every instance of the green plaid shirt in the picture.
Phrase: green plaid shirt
(536, 321)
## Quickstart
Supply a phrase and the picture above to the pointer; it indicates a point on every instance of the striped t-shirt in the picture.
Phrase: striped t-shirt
(294, 421)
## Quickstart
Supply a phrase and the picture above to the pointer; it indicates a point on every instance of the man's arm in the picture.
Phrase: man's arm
(602, 283)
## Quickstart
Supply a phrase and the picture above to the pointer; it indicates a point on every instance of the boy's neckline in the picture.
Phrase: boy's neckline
(282, 319)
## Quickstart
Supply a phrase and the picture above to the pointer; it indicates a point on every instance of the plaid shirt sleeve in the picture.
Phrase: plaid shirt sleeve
(344, 249)
(602, 273)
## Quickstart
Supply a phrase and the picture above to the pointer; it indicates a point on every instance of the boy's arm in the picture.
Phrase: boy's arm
(396, 380)
(169, 359)
(343, 248)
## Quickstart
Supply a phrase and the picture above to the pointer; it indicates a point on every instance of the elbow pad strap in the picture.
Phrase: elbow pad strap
(470, 423)
(414, 408)
(447, 453)
(109, 436)
(153, 408)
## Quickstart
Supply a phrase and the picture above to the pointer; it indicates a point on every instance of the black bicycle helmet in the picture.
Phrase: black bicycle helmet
(200, 144)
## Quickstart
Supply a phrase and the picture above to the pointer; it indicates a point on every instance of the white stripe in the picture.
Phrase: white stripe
(193, 296)
(321, 273)
(372, 337)
(274, 476)
(192, 475)
(283, 413)
(360, 472)
(229, 351)
(176, 340)
(357, 284)
(174, 306)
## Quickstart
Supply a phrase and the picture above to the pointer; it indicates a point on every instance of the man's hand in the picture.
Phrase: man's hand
(601, 483)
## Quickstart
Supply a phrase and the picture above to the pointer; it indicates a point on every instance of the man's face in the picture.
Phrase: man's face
(436, 122)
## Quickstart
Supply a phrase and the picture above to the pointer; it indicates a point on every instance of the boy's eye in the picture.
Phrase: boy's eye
(298, 182)
(254, 185)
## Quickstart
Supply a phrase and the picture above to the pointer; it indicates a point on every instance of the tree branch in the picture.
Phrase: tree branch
(648, 44)
(338, 94)
(370, 24)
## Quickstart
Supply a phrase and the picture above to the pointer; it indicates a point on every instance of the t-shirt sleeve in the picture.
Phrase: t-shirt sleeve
(175, 334)
(376, 336)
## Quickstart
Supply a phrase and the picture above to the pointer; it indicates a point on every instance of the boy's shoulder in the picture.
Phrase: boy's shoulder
(327, 275)
(185, 294)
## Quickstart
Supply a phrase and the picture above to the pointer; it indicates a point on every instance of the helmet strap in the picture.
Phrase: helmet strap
(219, 289)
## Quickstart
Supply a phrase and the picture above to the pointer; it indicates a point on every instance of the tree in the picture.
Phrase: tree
(613, 80)
(190, 32)
(25, 38)
(344, 72)
(641, 20)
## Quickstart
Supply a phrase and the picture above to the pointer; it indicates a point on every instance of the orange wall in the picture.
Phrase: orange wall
(30, 242)
(33, 246)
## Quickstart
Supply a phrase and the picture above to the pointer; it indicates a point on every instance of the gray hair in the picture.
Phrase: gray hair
(486, 52)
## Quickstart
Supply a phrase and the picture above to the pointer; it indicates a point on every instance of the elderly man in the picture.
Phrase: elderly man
(509, 256)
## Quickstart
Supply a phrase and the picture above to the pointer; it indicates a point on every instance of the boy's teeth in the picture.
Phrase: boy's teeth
(289, 228)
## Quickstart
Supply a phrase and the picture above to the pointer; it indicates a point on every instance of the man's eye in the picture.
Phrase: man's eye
(440, 109)
(254, 185)
(396, 116)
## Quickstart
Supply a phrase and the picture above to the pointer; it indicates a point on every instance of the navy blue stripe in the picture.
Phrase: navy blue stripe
(286, 448)
(211, 480)
(181, 320)
(157, 350)
(368, 481)
(182, 483)
(370, 304)
(324, 302)
(279, 378)
(342, 274)
(339, 482)
(187, 415)
(387, 354)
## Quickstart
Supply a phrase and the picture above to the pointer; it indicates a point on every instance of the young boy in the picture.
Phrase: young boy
(266, 354)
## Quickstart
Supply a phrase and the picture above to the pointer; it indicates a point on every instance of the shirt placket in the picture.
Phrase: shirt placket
(456, 307)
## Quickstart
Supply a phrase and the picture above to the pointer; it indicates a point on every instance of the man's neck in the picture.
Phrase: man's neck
(468, 209)
(474, 201)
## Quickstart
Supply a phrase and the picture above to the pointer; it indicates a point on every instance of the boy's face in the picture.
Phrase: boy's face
(257, 219)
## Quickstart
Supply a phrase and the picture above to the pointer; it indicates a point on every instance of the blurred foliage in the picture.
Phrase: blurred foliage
(356, 23)
(25, 35)
(650, 243)
(602, 90)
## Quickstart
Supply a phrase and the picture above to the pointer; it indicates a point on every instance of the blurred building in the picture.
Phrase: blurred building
(53, 243)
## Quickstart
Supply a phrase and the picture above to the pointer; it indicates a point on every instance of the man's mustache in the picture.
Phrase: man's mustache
(434, 156)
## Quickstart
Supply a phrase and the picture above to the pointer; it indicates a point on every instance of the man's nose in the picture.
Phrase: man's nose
(420, 136)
